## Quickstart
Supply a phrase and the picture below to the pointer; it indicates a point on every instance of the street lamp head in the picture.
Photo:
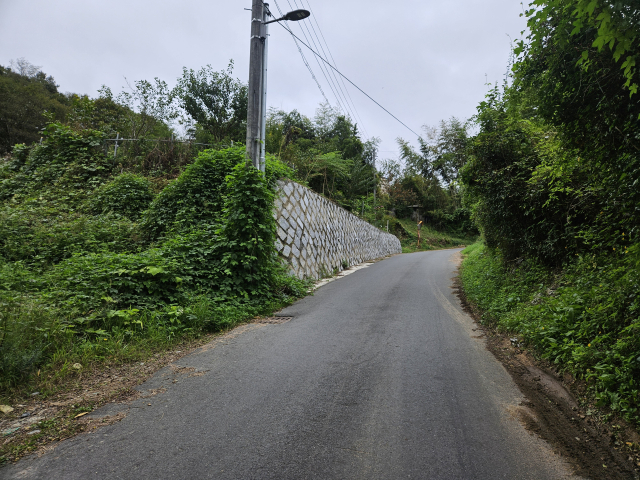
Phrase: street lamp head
(292, 16)
(296, 15)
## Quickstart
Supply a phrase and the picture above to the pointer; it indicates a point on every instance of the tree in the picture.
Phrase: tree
(370, 151)
(284, 129)
(569, 80)
(442, 151)
(612, 24)
(215, 101)
(23, 101)
(572, 80)
(149, 105)
(25, 68)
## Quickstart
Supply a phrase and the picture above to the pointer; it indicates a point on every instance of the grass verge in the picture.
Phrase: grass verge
(583, 319)
(83, 376)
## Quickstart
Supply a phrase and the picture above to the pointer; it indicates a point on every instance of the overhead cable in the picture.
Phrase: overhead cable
(304, 59)
(347, 79)
(332, 76)
(321, 66)
(315, 19)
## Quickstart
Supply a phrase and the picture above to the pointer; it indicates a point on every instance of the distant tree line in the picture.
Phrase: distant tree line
(209, 107)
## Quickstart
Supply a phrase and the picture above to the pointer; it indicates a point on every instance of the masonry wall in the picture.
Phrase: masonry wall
(315, 236)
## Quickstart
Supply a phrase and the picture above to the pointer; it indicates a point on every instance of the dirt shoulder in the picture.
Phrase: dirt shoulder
(557, 410)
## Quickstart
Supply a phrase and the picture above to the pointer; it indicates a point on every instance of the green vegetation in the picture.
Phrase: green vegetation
(93, 263)
(25, 94)
(583, 318)
(551, 180)
(430, 238)
(327, 154)
(112, 253)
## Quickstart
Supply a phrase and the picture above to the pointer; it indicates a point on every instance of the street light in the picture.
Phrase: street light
(293, 16)
(257, 94)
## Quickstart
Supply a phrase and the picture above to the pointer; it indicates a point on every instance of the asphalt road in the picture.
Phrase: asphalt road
(377, 376)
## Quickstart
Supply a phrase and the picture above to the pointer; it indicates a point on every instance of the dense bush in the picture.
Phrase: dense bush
(553, 184)
(66, 166)
(127, 195)
(76, 282)
(196, 197)
(40, 237)
(43, 190)
(516, 201)
(23, 100)
(555, 166)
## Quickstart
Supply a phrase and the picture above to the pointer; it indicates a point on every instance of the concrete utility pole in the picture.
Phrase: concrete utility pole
(263, 103)
(256, 95)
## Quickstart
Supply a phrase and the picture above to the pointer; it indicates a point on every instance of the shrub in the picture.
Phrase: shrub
(39, 236)
(196, 197)
(66, 160)
(127, 195)
(214, 265)
(25, 336)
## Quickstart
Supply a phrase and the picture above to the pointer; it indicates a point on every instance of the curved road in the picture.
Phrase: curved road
(377, 376)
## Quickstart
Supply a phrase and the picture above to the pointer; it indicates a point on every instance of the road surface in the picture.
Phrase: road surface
(379, 375)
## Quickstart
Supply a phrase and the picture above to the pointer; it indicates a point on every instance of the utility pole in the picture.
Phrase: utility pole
(256, 95)
(263, 103)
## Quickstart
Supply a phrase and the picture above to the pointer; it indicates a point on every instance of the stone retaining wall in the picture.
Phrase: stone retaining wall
(315, 235)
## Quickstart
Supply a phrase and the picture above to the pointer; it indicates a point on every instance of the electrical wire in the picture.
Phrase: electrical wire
(347, 79)
(304, 59)
(322, 68)
(314, 19)
(332, 76)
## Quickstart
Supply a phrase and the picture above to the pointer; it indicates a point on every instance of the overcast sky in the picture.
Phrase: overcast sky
(423, 60)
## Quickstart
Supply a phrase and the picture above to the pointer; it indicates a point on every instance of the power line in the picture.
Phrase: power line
(343, 76)
(331, 86)
(314, 19)
(304, 59)
(332, 76)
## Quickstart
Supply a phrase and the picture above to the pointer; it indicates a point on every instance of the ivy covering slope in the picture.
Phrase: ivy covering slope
(92, 259)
